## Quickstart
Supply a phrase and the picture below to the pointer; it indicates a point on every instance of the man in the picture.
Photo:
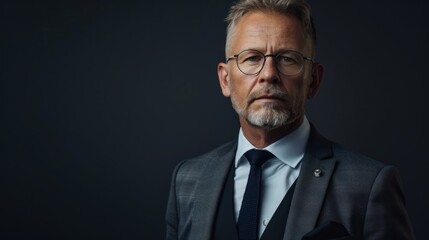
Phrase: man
(281, 179)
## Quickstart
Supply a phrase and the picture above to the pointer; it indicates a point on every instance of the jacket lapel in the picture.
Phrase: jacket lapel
(312, 183)
(209, 190)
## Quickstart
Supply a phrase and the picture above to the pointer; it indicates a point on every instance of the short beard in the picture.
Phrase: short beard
(268, 116)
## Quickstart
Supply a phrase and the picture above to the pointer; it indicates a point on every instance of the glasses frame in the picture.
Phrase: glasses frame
(275, 55)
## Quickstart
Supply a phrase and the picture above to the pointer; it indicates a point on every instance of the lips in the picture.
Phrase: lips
(271, 93)
(269, 97)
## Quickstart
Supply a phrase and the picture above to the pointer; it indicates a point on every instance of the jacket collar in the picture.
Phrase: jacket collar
(316, 171)
(209, 190)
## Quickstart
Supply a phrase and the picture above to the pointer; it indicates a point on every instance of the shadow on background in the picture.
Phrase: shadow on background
(100, 100)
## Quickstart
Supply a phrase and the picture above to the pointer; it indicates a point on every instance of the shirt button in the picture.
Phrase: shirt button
(266, 221)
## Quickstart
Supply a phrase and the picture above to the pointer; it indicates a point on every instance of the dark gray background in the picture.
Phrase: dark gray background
(101, 99)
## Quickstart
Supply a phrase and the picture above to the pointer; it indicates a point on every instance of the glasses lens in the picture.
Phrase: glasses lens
(290, 63)
(250, 61)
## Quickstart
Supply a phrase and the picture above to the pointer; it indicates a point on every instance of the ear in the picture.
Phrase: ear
(316, 81)
(222, 72)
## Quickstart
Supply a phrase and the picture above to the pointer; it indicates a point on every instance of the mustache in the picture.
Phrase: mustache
(272, 91)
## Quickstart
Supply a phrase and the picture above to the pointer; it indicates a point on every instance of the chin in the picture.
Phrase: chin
(268, 119)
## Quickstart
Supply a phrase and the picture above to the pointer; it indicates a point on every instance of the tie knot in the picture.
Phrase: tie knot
(258, 157)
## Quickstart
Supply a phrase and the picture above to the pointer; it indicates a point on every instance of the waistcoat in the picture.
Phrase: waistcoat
(225, 224)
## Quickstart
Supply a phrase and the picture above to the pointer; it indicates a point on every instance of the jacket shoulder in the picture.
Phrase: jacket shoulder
(201, 160)
(352, 159)
(192, 168)
(323, 148)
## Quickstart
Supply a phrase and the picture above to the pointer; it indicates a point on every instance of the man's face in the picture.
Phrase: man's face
(269, 99)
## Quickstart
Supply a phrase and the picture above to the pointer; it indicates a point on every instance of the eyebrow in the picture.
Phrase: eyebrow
(276, 52)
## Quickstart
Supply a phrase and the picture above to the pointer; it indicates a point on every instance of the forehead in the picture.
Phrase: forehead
(268, 31)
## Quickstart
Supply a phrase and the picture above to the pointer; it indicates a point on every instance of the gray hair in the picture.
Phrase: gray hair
(296, 8)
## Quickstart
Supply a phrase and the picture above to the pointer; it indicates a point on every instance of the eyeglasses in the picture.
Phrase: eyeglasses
(288, 62)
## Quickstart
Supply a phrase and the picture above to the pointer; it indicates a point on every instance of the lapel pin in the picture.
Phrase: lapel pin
(266, 221)
(317, 172)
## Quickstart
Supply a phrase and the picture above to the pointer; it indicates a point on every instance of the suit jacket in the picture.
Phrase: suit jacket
(361, 195)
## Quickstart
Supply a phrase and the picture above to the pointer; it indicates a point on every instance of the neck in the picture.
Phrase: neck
(262, 138)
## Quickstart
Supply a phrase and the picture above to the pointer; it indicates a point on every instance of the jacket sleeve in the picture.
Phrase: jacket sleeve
(172, 212)
(386, 215)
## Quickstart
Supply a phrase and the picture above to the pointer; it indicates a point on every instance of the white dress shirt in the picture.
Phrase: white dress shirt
(278, 174)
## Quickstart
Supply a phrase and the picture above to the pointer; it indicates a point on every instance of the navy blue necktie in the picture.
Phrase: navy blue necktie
(249, 213)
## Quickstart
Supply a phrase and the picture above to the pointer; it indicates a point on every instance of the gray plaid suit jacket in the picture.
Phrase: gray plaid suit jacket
(362, 194)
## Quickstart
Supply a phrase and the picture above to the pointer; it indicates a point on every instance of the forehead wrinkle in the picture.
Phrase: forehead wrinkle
(266, 36)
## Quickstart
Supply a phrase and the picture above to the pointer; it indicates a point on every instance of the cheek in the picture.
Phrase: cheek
(240, 86)
(297, 90)
(238, 92)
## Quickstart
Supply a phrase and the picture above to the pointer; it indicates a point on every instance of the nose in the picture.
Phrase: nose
(269, 72)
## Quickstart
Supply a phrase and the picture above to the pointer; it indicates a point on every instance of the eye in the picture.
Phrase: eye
(252, 58)
(287, 59)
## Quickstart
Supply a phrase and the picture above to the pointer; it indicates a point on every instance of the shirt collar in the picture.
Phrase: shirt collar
(289, 149)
